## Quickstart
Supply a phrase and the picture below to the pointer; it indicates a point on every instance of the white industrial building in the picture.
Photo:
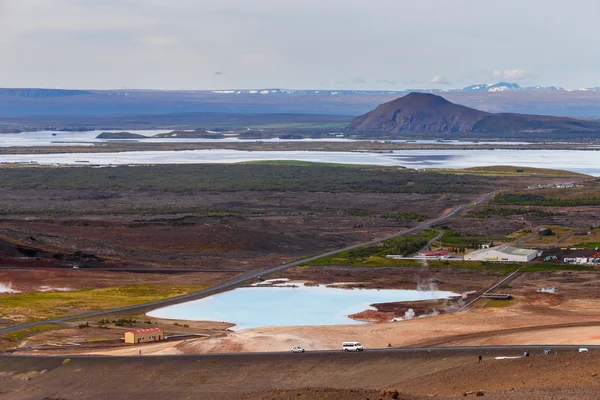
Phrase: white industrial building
(503, 253)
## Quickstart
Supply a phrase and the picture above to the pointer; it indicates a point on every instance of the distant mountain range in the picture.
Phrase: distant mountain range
(29, 105)
(429, 113)
(42, 93)
(478, 88)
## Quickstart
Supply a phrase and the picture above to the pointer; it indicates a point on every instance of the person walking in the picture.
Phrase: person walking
(480, 358)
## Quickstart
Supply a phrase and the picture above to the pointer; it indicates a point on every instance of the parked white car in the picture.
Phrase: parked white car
(297, 349)
(583, 350)
(352, 346)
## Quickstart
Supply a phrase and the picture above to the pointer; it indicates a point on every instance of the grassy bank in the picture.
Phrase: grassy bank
(18, 336)
(40, 306)
(508, 171)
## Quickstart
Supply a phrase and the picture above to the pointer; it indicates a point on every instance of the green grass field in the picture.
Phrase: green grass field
(23, 333)
(510, 171)
(40, 306)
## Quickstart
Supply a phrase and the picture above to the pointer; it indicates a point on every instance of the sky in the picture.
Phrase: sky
(298, 44)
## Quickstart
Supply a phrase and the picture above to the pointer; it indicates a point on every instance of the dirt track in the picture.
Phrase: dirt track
(446, 374)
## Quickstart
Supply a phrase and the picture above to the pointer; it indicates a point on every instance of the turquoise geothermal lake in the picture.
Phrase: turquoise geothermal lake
(254, 307)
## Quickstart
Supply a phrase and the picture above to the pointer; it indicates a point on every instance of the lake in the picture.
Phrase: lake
(254, 307)
(584, 161)
(88, 138)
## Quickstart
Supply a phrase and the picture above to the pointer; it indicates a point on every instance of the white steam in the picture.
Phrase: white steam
(54, 289)
(429, 286)
(7, 288)
(410, 314)
(547, 290)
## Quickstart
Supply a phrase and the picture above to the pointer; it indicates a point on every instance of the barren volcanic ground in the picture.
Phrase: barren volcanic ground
(416, 376)
(211, 230)
(252, 217)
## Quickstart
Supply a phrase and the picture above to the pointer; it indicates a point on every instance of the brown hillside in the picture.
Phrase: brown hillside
(418, 112)
(533, 123)
(429, 113)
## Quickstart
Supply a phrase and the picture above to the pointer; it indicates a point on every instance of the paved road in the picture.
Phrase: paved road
(239, 280)
(498, 350)
(432, 241)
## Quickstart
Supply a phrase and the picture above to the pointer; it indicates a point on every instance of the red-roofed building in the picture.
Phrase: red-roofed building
(435, 254)
(144, 335)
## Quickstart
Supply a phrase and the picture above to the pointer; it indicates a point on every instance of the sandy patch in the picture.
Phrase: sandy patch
(484, 326)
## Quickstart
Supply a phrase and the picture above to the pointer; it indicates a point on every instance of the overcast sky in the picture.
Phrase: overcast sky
(311, 44)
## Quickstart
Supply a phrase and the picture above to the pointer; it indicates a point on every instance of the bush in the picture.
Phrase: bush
(125, 322)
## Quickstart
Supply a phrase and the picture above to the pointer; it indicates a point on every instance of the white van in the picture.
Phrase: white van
(352, 346)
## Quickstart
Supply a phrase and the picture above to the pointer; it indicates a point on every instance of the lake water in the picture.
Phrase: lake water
(255, 307)
(584, 161)
(54, 138)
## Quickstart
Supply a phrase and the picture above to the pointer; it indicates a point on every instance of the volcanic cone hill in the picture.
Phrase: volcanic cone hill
(429, 113)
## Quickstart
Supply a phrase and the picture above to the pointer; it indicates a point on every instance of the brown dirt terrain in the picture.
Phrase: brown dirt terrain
(416, 375)
(248, 230)
(418, 277)
(31, 281)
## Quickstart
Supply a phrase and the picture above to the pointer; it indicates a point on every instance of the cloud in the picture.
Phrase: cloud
(513, 74)
(158, 40)
(387, 82)
(440, 80)
(163, 37)
(219, 73)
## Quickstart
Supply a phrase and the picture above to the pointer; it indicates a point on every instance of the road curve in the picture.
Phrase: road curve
(239, 280)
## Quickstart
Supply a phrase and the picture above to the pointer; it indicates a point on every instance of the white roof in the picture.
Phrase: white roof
(507, 249)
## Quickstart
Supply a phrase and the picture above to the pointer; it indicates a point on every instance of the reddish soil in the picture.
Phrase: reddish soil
(416, 376)
(417, 277)
(373, 316)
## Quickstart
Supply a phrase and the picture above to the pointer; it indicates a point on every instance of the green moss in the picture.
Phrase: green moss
(499, 303)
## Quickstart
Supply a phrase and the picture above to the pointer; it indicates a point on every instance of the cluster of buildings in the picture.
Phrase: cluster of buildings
(556, 186)
(508, 253)
(594, 260)
(502, 253)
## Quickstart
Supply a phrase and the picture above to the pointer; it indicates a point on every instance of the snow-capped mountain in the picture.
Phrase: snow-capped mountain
(478, 88)
(594, 89)
(293, 92)
(507, 87)
(492, 88)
